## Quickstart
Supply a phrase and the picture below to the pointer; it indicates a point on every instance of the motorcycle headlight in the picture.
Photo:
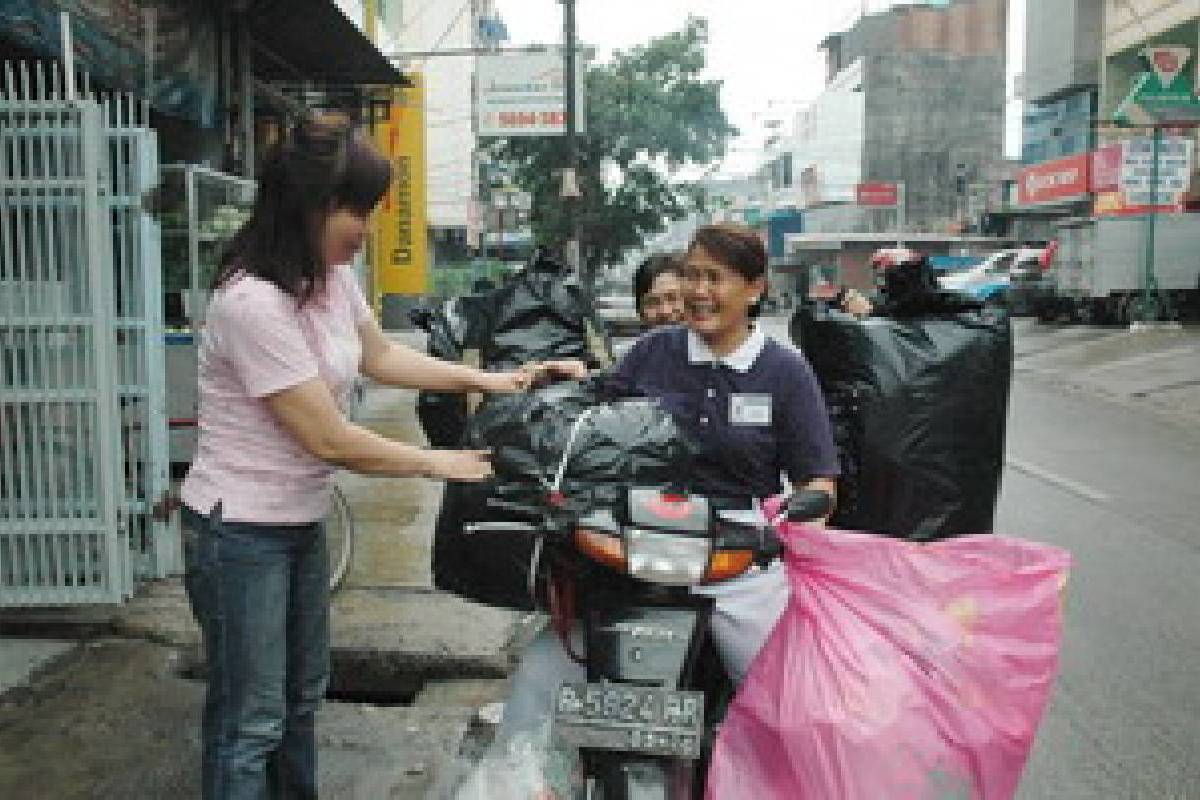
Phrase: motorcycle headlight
(667, 558)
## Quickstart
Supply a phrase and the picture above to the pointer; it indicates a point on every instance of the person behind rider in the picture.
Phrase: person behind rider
(906, 286)
(658, 290)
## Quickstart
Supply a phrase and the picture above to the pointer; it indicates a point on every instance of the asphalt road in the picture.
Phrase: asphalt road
(1119, 490)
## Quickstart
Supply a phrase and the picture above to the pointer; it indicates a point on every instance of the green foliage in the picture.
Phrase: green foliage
(648, 113)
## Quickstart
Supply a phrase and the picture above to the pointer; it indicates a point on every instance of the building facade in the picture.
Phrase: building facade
(919, 92)
(1060, 83)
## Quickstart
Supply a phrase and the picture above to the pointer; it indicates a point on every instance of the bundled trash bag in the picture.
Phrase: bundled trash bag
(443, 415)
(540, 314)
(919, 407)
(899, 670)
(535, 315)
(567, 445)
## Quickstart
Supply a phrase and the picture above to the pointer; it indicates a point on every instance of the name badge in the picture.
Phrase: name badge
(750, 409)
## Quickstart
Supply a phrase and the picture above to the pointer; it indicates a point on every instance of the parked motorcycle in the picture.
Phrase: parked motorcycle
(649, 709)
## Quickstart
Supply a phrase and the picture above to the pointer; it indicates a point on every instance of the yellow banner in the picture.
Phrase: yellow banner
(399, 252)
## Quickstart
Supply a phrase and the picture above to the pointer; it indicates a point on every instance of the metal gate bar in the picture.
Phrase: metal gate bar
(140, 336)
(82, 409)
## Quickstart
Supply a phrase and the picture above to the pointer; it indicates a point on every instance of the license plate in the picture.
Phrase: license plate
(639, 719)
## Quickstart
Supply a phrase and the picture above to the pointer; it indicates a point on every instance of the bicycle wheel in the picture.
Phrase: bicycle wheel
(339, 531)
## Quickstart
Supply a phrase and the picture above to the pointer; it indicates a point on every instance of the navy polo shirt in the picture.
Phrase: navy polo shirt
(756, 413)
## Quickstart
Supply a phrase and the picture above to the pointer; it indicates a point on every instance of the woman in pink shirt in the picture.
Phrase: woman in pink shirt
(287, 331)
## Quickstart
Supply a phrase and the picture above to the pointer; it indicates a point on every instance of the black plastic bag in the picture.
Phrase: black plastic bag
(443, 415)
(535, 315)
(608, 445)
(540, 314)
(919, 407)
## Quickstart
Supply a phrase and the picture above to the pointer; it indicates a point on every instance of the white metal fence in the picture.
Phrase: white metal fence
(82, 413)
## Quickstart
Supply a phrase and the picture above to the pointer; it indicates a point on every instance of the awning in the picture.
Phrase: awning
(313, 41)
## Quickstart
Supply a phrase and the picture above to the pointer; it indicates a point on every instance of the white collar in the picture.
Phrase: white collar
(740, 360)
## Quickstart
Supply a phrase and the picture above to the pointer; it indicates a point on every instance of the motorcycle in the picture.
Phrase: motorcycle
(648, 712)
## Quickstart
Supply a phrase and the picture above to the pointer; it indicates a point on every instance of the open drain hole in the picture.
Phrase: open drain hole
(373, 697)
(387, 691)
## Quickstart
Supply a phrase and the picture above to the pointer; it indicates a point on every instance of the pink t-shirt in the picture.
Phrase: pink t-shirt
(256, 342)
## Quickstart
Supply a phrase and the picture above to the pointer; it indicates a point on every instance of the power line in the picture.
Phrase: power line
(420, 12)
(449, 28)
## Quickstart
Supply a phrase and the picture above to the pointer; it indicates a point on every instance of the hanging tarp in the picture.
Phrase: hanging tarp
(111, 43)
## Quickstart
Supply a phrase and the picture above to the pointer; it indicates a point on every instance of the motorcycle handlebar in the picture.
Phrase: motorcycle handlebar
(808, 505)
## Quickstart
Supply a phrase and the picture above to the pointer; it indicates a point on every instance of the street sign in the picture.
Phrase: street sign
(1139, 183)
(521, 94)
(1165, 93)
(877, 194)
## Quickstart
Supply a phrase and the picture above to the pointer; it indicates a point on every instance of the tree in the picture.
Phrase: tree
(648, 113)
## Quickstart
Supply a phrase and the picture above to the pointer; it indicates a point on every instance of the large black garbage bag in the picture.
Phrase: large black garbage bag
(535, 315)
(607, 445)
(451, 327)
(919, 407)
(539, 314)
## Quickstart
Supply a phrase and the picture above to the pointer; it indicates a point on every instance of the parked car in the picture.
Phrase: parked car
(619, 313)
(1030, 284)
(991, 280)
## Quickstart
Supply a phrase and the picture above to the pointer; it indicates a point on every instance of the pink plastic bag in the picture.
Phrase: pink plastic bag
(899, 670)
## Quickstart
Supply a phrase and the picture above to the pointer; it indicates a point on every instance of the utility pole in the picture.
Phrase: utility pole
(574, 249)
(479, 194)
(1150, 293)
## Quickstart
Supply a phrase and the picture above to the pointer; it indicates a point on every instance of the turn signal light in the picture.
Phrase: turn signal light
(726, 564)
(601, 547)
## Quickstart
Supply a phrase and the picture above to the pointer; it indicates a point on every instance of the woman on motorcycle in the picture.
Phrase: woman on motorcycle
(756, 409)
(753, 405)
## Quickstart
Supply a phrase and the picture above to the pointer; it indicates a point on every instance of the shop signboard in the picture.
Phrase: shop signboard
(522, 94)
(1055, 181)
(1106, 168)
(877, 194)
(399, 251)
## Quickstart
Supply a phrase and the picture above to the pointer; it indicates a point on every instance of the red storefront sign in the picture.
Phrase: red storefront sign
(878, 193)
(1106, 169)
(1060, 179)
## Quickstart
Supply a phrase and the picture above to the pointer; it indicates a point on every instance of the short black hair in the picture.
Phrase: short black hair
(736, 246)
(649, 270)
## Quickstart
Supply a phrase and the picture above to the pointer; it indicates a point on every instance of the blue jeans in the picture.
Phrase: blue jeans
(261, 595)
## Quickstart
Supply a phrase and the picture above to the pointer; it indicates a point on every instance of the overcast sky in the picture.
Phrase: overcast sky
(765, 51)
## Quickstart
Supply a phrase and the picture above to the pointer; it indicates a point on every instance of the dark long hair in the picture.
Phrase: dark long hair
(317, 167)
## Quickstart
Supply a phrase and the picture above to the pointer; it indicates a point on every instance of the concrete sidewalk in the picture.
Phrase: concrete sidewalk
(1156, 369)
(112, 707)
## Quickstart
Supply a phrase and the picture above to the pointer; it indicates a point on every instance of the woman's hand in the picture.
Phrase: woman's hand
(458, 465)
(519, 380)
(531, 375)
(569, 369)
(855, 303)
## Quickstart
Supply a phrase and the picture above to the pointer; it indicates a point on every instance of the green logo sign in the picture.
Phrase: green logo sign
(1165, 93)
